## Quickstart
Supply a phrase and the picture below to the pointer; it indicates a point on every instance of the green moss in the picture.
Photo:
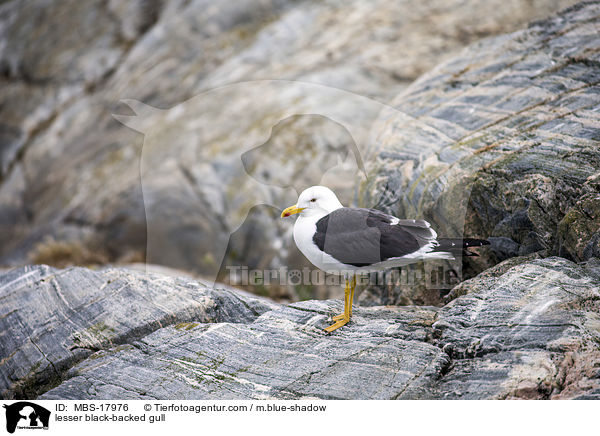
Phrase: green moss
(186, 325)
(188, 359)
(97, 355)
(100, 329)
(570, 218)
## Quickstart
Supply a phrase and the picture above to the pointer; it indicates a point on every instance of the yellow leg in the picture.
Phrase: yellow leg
(349, 303)
(344, 317)
(352, 294)
(346, 296)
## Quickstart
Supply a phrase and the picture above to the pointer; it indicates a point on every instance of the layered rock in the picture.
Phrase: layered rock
(530, 331)
(503, 142)
(524, 331)
(52, 319)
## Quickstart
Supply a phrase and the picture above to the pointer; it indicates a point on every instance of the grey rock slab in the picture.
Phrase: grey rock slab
(530, 332)
(50, 319)
(528, 328)
(283, 354)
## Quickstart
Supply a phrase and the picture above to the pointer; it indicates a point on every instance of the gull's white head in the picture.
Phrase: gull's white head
(314, 200)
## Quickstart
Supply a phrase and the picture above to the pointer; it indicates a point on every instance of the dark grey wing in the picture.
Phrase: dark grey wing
(374, 213)
(362, 237)
(345, 235)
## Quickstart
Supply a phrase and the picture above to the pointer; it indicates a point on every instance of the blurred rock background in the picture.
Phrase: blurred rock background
(71, 177)
(135, 132)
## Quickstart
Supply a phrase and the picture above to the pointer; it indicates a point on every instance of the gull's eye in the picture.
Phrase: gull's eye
(312, 200)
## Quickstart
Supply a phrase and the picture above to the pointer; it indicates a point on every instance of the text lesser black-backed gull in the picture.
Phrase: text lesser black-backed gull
(349, 241)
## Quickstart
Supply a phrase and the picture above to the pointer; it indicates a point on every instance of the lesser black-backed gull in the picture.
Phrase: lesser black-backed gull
(349, 241)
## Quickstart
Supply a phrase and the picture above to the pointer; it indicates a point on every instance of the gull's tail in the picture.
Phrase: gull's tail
(459, 246)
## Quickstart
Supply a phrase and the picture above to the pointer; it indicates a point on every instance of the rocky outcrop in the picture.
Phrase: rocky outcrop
(70, 174)
(530, 332)
(524, 331)
(50, 319)
(502, 142)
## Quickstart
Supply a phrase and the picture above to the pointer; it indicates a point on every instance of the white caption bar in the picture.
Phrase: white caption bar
(306, 417)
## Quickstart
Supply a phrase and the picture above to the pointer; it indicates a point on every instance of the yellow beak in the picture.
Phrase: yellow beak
(291, 210)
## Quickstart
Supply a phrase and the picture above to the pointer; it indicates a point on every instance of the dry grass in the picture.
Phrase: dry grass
(61, 254)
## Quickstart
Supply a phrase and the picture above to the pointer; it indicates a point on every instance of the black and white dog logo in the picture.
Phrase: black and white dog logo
(26, 415)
